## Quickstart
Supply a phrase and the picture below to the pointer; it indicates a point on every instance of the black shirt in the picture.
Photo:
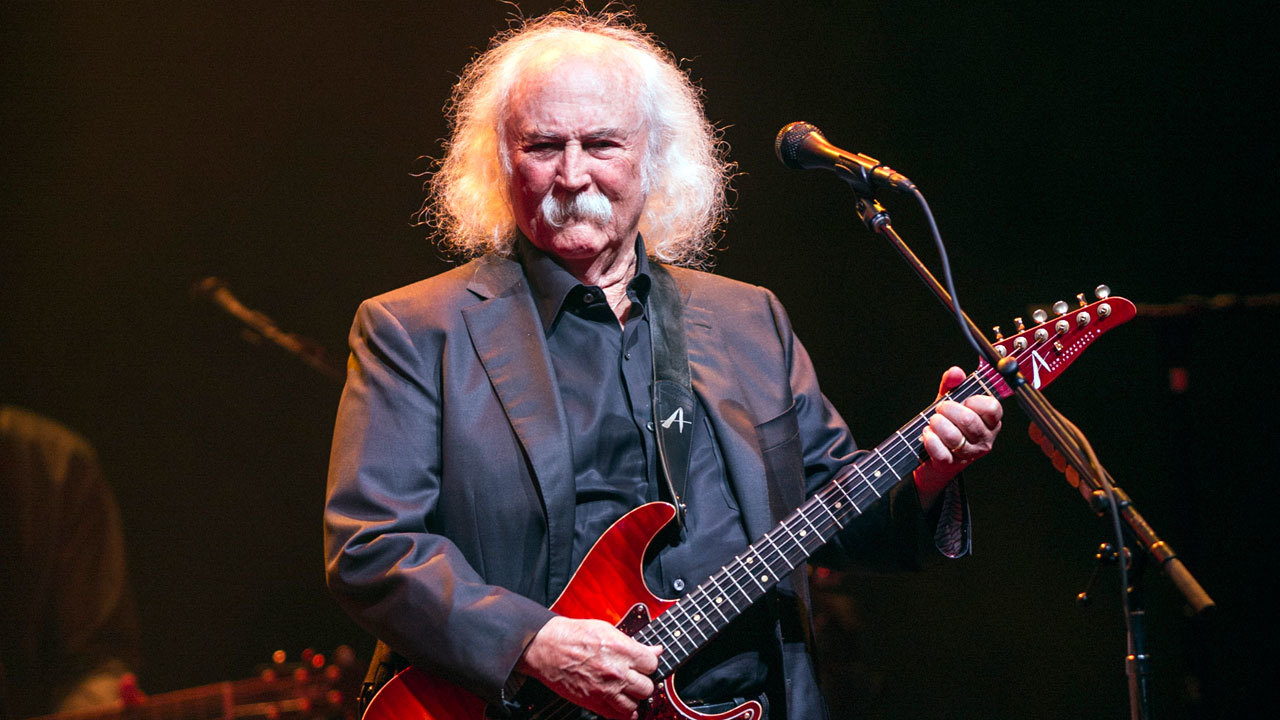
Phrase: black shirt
(604, 374)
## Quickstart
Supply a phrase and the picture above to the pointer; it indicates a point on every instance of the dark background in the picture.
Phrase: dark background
(149, 145)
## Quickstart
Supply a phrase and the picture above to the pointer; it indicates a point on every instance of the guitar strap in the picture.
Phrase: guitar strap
(674, 407)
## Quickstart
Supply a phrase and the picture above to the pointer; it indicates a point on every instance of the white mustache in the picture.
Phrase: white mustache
(591, 207)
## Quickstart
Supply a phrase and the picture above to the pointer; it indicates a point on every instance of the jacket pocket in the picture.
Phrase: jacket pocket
(783, 457)
(782, 429)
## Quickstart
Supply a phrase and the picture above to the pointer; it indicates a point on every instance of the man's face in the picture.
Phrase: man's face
(574, 130)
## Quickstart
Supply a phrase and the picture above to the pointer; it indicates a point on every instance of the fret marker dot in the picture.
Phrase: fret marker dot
(803, 533)
(877, 473)
(697, 618)
(719, 600)
(676, 633)
(750, 560)
(838, 505)
(764, 578)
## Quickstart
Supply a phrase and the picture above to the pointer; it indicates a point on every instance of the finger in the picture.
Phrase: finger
(937, 449)
(646, 660)
(970, 427)
(622, 706)
(950, 379)
(639, 687)
(948, 431)
(988, 409)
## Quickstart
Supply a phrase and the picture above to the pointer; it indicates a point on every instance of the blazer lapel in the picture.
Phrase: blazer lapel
(508, 339)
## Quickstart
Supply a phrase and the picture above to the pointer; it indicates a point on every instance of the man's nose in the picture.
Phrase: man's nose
(572, 174)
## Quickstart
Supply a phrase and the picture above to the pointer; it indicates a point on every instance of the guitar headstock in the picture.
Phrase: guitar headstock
(1045, 350)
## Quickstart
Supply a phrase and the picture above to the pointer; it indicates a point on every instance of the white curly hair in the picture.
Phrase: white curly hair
(686, 169)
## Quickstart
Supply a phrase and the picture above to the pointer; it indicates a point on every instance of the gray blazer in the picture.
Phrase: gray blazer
(450, 510)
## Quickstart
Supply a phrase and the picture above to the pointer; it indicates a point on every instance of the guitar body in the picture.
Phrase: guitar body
(608, 586)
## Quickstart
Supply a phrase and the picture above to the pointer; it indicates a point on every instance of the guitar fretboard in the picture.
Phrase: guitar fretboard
(688, 625)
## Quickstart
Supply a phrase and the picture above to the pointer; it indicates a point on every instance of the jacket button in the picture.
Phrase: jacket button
(678, 584)
(649, 425)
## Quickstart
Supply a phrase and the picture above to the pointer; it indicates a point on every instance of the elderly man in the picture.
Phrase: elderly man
(499, 417)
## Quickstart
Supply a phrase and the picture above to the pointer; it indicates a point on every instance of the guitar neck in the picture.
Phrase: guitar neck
(689, 624)
(296, 693)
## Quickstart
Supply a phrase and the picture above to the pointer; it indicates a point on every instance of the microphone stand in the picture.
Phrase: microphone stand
(1103, 496)
(305, 349)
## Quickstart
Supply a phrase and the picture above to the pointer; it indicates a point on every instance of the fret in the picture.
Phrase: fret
(769, 537)
(798, 539)
(905, 441)
(887, 465)
(978, 376)
(716, 603)
(698, 618)
(794, 539)
(863, 481)
(817, 500)
(737, 610)
(839, 487)
(693, 617)
(804, 516)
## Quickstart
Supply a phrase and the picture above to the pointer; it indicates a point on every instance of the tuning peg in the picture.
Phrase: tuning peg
(1018, 321)
(1039, 315)
(1060, 308)
(1080, 299)
(1102, 292)
(999, 335)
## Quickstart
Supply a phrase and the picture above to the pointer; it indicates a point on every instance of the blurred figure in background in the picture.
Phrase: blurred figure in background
(68, 627)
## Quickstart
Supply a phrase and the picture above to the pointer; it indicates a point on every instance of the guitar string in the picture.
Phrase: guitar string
(898, 451)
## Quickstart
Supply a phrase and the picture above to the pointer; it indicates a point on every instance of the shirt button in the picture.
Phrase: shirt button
(627, 356)
(678, 584)
(588, 298)
(649, 425)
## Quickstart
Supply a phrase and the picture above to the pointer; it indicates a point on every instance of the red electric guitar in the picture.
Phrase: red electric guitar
(609, 585)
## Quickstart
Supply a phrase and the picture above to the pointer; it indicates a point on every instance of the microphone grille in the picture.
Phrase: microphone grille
(787, 144)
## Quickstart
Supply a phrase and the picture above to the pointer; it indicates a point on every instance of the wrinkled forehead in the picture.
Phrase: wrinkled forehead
(602, 76)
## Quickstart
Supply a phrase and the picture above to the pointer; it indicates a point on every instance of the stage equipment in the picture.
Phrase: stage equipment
(801, 145)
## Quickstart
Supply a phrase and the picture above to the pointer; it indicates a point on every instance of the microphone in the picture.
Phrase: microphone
(800, 145)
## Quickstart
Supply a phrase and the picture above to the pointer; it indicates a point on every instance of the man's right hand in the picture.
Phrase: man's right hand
(592, 664)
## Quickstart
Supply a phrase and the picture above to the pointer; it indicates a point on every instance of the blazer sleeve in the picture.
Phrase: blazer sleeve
(405, 584)
(892, 533)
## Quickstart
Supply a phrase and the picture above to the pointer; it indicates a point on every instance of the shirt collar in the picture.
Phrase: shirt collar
(552, 284)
